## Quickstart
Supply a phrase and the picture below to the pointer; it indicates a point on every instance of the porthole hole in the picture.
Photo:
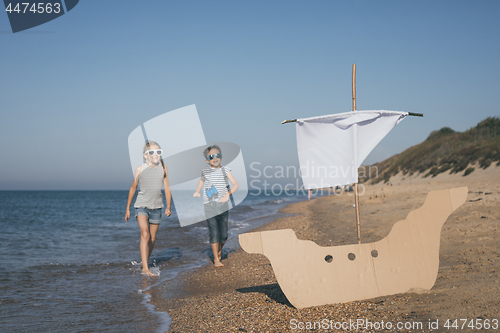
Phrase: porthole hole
(328, 258)
(374, 253)
(351, 256)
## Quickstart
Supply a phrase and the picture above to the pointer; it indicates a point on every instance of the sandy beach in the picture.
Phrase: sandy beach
(243, 296)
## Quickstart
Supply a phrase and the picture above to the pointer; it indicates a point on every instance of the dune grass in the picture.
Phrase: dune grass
(445, 150)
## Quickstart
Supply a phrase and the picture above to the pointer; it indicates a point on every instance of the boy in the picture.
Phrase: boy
(216, 193)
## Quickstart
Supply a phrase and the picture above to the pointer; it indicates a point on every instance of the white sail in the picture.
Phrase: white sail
(331, 148)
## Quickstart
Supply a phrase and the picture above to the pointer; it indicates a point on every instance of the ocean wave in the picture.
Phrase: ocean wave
(275, 201)
(243, 208)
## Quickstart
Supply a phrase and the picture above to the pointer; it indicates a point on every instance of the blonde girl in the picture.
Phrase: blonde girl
(150, 176)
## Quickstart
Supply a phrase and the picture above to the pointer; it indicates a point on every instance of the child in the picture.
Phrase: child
(150, 177)
(215, 196)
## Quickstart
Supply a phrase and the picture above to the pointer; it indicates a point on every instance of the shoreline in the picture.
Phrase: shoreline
(244, 295)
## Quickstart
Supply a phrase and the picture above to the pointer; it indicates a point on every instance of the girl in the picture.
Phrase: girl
(150, 176)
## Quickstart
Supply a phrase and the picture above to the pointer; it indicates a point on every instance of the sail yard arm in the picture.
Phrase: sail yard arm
(409, 113)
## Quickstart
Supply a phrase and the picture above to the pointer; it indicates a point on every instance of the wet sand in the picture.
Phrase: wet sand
(243, 296)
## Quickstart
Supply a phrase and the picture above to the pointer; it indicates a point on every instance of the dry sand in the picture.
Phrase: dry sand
(243, 296)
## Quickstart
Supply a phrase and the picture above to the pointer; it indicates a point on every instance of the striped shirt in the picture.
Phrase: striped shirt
(217, 178)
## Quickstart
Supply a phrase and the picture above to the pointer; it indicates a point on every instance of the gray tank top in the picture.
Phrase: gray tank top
(150, 183)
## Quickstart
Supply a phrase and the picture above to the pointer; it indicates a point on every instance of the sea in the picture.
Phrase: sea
(70, 263)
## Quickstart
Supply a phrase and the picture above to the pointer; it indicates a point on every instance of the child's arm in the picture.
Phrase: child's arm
(168, 194)
(132, 191)
(233, 189)
(196, 194)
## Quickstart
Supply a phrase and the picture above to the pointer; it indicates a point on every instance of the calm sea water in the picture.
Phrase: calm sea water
(70, 263)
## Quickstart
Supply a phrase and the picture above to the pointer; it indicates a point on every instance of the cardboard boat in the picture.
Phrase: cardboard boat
(408, 258)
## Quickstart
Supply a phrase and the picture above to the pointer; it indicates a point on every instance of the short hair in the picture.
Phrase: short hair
(209, 148)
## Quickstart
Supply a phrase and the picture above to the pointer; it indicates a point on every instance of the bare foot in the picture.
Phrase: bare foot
(218, 264)
(148, 273)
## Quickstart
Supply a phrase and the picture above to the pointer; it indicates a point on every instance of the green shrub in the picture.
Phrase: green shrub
(434, 171)
(485, 162)
(442, 132)
(460, 167)
(468, 171)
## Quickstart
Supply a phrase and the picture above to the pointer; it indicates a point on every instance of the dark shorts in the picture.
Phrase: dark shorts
(217, 225)
(154, 215)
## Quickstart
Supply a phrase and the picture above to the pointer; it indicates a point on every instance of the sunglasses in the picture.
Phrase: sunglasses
(211, 157)
(152, 152)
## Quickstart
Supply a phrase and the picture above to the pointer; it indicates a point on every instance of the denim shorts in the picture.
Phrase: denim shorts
(154, 215)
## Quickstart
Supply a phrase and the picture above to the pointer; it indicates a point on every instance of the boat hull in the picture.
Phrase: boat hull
(408, 258)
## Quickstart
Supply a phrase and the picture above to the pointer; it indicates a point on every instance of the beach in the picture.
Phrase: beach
(243, 296)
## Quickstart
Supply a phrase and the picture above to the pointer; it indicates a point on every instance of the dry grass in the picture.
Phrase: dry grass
(445, 150)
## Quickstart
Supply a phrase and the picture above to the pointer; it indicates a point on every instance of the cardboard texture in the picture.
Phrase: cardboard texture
(408, 258)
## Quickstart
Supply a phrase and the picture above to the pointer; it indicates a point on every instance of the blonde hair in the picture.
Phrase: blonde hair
(147, 146)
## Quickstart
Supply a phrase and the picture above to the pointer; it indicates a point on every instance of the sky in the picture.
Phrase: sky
(73, 89)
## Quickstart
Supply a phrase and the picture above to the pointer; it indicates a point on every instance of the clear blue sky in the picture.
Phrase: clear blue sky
(73, 89)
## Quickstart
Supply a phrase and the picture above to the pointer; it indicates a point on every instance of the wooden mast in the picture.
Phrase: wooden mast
(356, 195)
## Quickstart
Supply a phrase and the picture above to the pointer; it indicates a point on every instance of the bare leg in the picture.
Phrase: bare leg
(215, 251)
(153, 229)
(142, 220)
(220, 250)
